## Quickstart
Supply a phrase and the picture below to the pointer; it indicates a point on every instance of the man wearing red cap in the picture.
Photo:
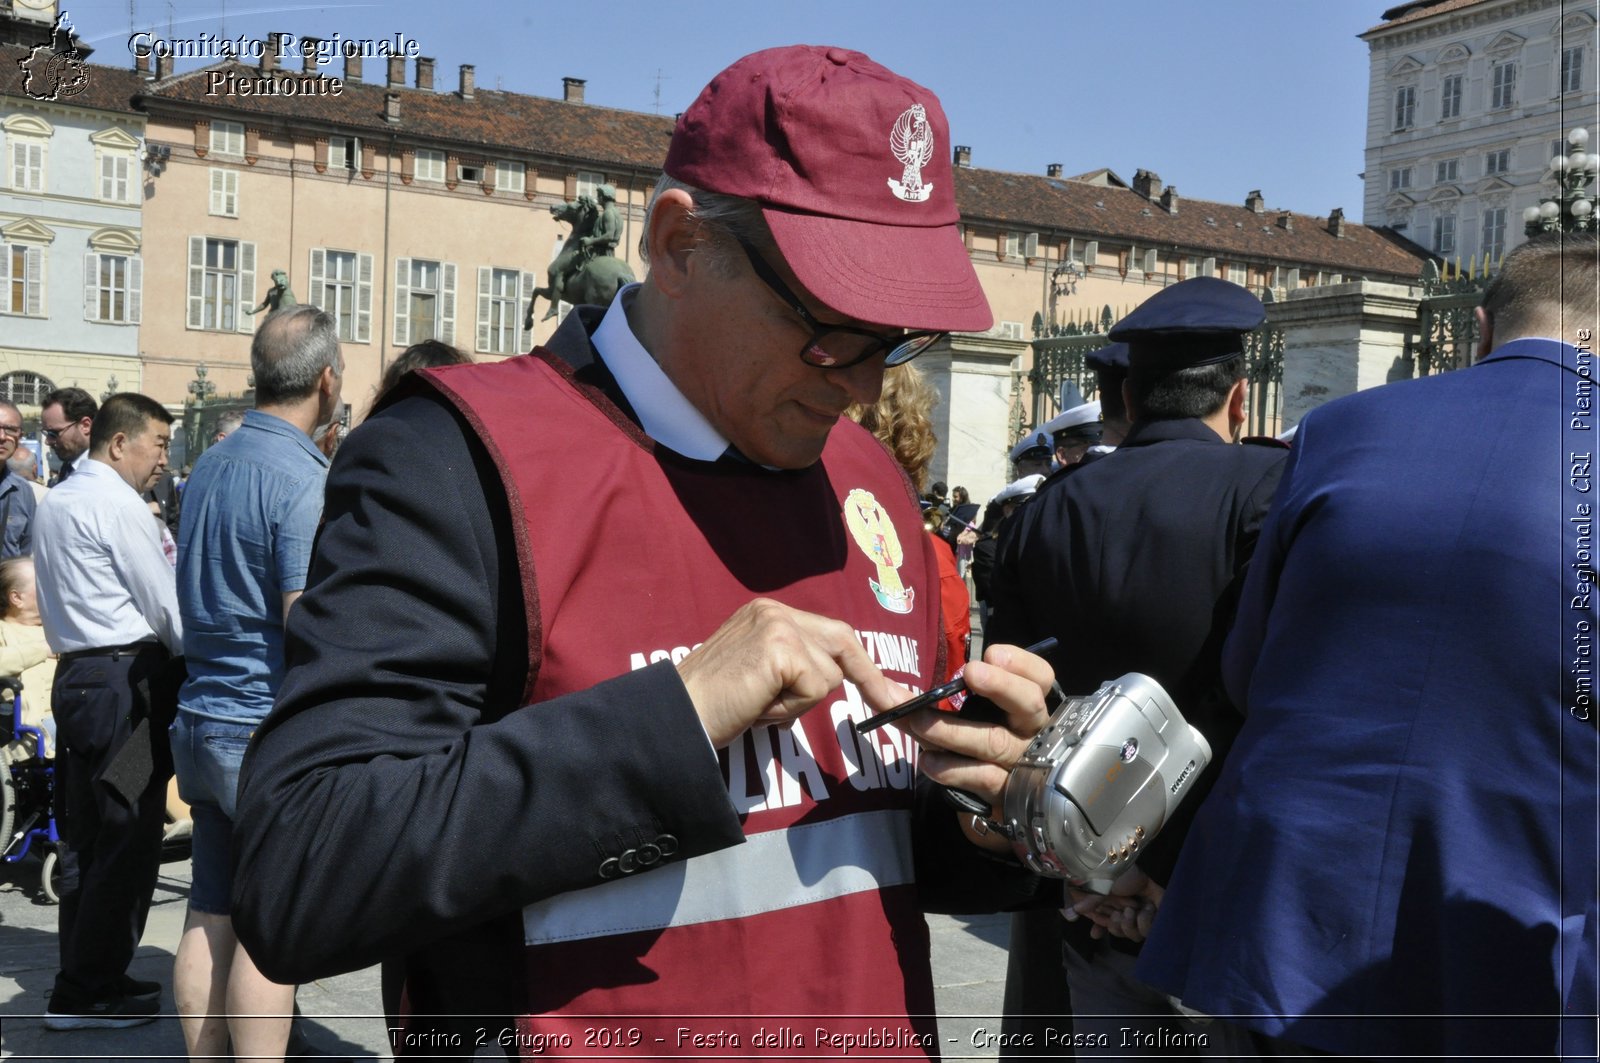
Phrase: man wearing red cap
(569, 770)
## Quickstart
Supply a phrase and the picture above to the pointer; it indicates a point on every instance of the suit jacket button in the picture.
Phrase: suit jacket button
(667, 844)
(628, 862)
(609, 868)
(648, 854)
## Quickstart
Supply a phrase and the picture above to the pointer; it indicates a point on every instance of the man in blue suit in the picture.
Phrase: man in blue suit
(1399, 854)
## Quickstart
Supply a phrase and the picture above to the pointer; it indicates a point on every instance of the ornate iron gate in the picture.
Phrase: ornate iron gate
(1447, 330)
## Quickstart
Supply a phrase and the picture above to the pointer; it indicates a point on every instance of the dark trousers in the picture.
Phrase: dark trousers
(116, 841)
(1038, 1008)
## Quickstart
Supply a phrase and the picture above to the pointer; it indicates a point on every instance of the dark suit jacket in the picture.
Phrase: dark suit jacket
(1406, 823)
(1125, 559)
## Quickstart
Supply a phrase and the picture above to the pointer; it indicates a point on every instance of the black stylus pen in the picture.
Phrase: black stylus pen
(937, 694)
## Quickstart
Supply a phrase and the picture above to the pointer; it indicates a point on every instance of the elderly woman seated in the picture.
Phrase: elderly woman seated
(24, 653)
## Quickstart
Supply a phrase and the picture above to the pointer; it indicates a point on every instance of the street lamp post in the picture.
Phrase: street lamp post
(1571, 209)
(1063, 284)
(202, 389)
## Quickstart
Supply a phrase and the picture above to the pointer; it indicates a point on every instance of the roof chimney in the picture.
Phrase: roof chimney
(397, 70)
(1053, 170)
(1147, 183)
(1336, 222)
(164, 66)
(1169, 199)
(352, 65)
(963, 155)
(271, 53)
(141, 63)
(310, 58)
(1286, 222)
(424, 73)
(391, 107)
(468, 81)
(572, 89)
(1255, 201)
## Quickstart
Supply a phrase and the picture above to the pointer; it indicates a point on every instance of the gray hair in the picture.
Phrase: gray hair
(291, 349)
(229, 423)
(728, 217)
(25, 463)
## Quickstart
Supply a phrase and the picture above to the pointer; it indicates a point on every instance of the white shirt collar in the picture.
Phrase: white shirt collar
(99, 470)
(664, 413)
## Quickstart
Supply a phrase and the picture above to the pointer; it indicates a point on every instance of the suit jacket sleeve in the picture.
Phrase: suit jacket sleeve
(400, 792)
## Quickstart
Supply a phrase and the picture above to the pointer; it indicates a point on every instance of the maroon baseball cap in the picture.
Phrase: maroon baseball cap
(851, 165)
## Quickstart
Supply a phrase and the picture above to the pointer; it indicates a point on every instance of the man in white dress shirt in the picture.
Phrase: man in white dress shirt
(109, 603)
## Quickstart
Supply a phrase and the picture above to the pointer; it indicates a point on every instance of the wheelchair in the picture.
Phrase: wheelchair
(27, 794)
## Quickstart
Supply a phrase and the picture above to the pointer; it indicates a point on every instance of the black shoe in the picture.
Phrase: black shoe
(138, 988)
(113, 1014)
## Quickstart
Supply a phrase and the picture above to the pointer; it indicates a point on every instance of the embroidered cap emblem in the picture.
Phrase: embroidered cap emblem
(874, 533)
(911, 141)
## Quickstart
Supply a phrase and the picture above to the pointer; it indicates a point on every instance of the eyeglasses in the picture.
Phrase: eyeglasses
(14, 430)
(840, 346)
(53, 434)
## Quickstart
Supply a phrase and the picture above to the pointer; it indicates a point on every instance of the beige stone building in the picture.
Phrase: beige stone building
(1123, 241)
(406, 211)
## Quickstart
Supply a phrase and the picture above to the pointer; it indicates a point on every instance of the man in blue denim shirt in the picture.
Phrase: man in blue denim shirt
(16, 497)
(250, 512)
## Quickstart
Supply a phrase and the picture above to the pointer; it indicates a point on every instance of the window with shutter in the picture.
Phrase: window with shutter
(33, 293)
(21, 280)
(225, 193)
(27, 164)
(501, 336)
(221, 274)
(402, 302)
(227, 138)
(339, 294)
(114, 178)
(1450, 97)
(525, 335)
(510, 176)
(364, 299)
(447, 303)
(1503, 92)
(91, 287)
(485, 277)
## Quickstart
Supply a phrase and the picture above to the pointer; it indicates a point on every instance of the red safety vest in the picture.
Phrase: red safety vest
(808, 935)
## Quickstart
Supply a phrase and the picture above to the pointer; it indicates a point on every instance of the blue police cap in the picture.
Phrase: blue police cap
(1111, 356)
(1196, 322)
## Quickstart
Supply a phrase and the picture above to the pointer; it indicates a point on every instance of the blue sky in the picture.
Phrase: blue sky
(1217, 96)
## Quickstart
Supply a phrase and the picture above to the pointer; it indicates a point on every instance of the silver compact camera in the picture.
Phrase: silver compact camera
(1100, 780)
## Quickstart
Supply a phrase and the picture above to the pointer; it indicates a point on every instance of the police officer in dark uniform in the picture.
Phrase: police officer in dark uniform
(1110, 365)
(1127, 560)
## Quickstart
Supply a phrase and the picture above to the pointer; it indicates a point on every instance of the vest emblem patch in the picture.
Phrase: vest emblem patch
(874, 533)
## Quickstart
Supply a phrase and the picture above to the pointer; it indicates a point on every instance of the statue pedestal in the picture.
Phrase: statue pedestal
(973, 375)
(1342, 338)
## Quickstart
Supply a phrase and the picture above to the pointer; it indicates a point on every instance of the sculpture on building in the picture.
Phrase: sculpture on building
(587, 269)
(278, 296)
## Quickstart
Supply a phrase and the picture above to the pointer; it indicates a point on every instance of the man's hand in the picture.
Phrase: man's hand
(1128, 911)
(769, 663)
(976, 756)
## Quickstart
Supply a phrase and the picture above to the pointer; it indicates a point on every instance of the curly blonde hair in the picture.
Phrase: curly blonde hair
(902, 420)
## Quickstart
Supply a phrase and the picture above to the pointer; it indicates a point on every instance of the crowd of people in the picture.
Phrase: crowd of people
(544, 694)
(142, 628)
